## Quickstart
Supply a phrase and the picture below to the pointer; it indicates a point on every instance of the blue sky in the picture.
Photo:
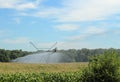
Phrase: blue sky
(72, 23)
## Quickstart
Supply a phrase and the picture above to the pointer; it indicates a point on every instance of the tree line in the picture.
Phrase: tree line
(70, 55)
(8, 55)
(83, 55)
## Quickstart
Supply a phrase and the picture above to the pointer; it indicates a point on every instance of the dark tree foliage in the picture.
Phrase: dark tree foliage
(8, 55)
(82, 55)
(102, 68)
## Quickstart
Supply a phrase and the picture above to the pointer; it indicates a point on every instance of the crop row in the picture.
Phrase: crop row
(41, 77)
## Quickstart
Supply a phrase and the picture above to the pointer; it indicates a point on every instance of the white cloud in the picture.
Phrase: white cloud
(79, 10)
(8, 3)
(71, 11)
(78, 37)
(95, 30)
(46, 13)
(88, 32)
(18, 4)
(67, 27)
(87, 10)
(26, 6)
(21, 40)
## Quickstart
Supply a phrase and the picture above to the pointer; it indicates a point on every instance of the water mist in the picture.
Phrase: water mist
(42, 57)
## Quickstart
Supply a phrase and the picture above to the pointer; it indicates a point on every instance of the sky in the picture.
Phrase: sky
(71, 23)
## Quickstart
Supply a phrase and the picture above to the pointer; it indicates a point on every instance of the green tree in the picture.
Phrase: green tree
(102, 68)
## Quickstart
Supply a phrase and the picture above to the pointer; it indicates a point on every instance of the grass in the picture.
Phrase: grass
(43, 68)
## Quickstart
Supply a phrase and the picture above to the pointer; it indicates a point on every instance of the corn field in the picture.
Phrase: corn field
(41, 77)
(17, 72)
